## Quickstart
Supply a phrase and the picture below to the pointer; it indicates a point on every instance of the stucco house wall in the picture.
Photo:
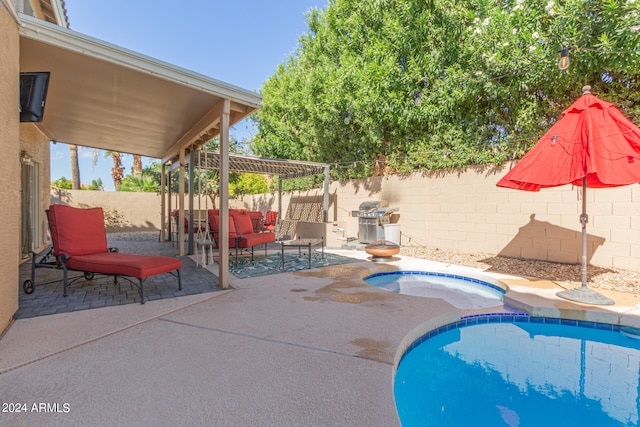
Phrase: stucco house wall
(10, 170)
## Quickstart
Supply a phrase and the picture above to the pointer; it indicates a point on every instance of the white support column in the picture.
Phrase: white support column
(163, 202)
(180, 230)
(191, 204)
(169, 205)
(279, 199)
(223, 273)
(325, 199)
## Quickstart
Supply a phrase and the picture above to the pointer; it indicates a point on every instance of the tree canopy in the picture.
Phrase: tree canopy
(396, 85)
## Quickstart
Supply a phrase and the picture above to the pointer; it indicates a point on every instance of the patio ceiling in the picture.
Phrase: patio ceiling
(285, 169)
(107, 97)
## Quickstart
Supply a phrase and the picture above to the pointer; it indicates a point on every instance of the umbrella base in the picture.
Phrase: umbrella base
(586, 296)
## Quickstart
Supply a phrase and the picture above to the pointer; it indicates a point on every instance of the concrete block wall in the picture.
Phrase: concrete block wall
(463, 210)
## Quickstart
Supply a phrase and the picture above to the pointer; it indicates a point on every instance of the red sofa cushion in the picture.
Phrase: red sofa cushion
(243, 223)
(214, 224)
(77, 231)
(255, 239)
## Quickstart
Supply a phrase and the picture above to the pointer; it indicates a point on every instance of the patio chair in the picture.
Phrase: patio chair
(270, 219)
(79, 243)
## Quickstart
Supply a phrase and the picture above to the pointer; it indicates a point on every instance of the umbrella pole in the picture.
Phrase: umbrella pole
(584, 218)
(583, 294)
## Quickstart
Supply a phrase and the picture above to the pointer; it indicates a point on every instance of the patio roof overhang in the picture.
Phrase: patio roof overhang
(107, 97)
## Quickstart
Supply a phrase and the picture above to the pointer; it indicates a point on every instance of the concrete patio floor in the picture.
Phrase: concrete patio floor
(315, 347)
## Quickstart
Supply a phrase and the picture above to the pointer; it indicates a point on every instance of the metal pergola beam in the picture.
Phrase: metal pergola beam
(285, 169)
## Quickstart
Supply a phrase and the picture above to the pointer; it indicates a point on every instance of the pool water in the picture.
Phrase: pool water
(460, 291)
(531, 372)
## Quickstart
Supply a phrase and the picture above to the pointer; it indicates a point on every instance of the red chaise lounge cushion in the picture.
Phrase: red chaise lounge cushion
(80, 234)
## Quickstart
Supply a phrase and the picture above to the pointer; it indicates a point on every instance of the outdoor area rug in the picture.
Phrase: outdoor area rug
(271, 264)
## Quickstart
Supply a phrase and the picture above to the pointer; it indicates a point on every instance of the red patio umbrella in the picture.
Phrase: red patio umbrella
(592, 145)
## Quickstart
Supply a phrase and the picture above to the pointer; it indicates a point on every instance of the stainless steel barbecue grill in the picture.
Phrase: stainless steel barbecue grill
(371, 216)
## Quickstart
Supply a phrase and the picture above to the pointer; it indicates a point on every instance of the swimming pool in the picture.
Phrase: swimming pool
(460, 291)
(506, 370)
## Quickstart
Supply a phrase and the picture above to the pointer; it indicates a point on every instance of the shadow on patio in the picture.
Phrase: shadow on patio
(101, 291)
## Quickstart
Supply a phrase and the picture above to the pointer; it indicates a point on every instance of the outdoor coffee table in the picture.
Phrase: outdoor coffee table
(301, 243)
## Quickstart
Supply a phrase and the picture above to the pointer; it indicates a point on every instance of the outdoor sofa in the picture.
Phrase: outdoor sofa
(242, 230)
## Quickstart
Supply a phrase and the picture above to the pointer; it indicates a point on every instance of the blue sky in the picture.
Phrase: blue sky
(239, 42)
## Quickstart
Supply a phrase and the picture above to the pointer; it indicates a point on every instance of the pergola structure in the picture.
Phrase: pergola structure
(284, 169)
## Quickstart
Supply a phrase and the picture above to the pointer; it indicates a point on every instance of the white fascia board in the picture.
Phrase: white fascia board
(77, 42)
(58, 11)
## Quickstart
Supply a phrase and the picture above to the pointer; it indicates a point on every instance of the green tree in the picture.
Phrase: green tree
(62, 183)
(96, 185)
(384, 86)
(139, 183)
(248, 183)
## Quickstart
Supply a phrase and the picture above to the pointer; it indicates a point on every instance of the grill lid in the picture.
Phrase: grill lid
(373, 205)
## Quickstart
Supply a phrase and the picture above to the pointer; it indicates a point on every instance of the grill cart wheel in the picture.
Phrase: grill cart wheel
(88, 275)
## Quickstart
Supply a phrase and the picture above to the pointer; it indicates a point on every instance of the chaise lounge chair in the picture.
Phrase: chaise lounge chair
(79, 243)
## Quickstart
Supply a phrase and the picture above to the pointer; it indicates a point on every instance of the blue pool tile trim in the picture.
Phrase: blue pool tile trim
(435, 274)
(484, 318)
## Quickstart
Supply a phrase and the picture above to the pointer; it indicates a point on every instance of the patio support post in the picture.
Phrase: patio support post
(180, 230)
(169, 204)
(325, 199)
(279, 198)
(163, 202)
(192, 161)
(223, 249)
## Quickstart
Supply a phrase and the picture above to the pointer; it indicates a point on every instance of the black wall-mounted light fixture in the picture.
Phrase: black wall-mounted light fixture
(563, 63)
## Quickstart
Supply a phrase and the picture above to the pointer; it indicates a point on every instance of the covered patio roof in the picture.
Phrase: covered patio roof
(107, 97)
